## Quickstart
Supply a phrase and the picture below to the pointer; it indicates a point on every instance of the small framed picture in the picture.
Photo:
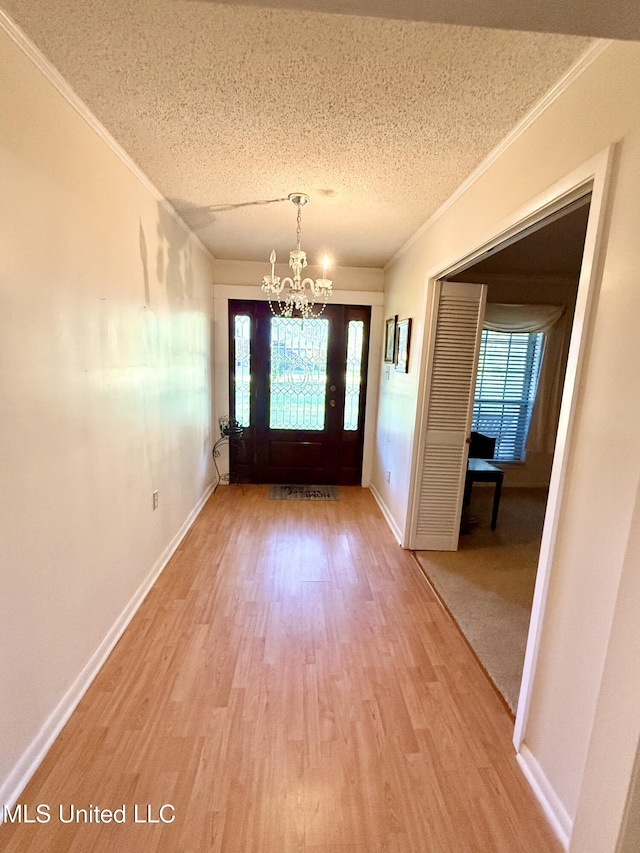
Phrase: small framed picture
(403, 340)
(390, 340)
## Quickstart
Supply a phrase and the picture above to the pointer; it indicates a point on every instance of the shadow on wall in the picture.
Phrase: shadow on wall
(145, 263)
(173, 260)
(171, 335)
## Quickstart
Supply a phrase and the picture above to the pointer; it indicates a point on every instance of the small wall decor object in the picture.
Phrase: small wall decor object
(403, 340)
(390, 339)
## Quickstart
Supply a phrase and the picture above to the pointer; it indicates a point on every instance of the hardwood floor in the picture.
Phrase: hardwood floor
(289, 684)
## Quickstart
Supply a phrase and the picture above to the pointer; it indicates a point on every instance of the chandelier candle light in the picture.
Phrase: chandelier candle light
(291, 293)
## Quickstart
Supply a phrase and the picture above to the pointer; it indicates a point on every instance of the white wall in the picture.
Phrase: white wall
(615, 740)
(105, 367)
(250, 273)
(598, 108)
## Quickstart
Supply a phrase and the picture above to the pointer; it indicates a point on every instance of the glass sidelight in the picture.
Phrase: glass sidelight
(353, 377)
(242, 371)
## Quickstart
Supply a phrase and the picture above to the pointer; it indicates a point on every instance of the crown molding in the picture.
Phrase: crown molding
(578, 68)
(60, 84)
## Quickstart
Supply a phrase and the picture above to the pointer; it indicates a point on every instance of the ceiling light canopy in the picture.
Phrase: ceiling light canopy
(289, 296)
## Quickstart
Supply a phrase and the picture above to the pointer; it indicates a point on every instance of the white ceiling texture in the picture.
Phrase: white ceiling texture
(378, 119)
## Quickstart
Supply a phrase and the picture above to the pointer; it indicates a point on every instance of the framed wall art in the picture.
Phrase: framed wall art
(403, 341)
(390, 339)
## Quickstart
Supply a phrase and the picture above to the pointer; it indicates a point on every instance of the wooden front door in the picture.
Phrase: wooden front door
(298, 389)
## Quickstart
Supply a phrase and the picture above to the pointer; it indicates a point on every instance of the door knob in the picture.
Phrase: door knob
(332, 403)
(332, 388)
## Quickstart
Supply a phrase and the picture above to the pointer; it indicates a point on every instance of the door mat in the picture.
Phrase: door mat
(304, 493)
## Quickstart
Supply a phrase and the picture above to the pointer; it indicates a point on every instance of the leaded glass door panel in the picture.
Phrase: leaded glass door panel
(298, 387)
(298, 375)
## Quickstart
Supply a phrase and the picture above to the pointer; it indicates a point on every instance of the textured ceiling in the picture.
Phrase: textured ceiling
(378, 120)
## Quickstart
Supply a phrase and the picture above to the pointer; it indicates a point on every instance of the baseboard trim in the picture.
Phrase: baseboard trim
(31, 759)
(554, 810)
(387, 515)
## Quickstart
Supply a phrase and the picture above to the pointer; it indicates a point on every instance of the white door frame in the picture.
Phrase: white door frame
(591, 177)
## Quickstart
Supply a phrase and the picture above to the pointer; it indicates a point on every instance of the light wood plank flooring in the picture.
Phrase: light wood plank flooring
(289, 684)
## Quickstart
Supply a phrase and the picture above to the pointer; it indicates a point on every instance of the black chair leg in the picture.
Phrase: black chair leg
(496, 503)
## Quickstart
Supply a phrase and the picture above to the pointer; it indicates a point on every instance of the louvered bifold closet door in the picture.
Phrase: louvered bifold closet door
(453, 343)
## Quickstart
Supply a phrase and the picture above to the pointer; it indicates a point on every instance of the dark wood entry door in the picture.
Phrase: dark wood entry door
(298, 387)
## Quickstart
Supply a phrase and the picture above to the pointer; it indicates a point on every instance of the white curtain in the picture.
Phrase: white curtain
(549, 319)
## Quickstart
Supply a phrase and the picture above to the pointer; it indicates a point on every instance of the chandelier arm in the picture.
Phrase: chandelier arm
(321, 287)
(272, 284)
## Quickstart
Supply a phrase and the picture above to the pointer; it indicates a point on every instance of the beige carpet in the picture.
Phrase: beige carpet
(488, 583)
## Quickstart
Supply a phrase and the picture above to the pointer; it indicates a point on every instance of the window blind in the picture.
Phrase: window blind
(506, 384)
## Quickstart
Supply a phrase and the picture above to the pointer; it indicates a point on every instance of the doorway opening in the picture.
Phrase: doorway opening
(488, 583)
(590, 178)
(298, 388)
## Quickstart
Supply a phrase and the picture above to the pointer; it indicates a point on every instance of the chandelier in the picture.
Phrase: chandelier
(290, 294)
